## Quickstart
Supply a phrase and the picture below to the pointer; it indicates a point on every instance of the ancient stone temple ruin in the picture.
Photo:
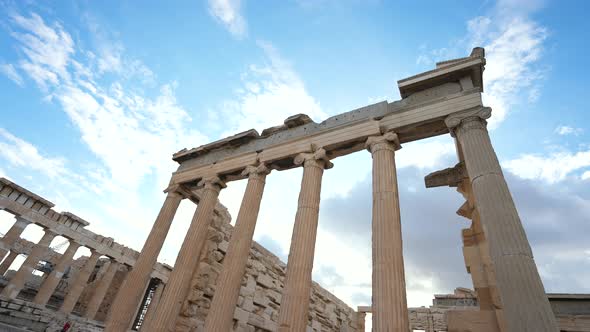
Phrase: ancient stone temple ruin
(223, 281)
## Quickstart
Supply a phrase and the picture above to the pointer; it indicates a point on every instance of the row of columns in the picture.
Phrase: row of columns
(519, 287)
(51, 281)
(293, 312)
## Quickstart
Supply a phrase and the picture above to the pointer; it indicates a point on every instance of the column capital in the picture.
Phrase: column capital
(316, 158)
(212, 182)
(256, 171)
(174, 191)
(73, 243)
(48, 235)
(22, 222)
(470, 119)
(388, 140)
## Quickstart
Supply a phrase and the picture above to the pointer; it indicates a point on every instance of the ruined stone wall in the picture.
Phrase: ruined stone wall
(260, 295)
(37, 318)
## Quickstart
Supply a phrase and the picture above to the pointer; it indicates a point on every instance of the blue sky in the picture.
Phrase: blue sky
(98, 95)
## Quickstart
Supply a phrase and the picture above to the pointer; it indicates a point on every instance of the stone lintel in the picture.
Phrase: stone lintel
(75, 218)
(364, 309)
(446, 71)
(16, 187)
(451, 177)
(228, 142)
(421, 114)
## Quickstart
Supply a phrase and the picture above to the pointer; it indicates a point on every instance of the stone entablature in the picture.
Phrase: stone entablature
(428, 99)
(27, 205)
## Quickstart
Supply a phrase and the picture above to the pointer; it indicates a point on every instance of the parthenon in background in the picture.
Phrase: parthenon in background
(223, 281)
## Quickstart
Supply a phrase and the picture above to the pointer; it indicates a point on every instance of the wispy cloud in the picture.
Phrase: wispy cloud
(132, 134)
(47, 50)
(567, 130)
(21, 153)
(228, 13)
(514, 45)
(268, 95)
(513, 50)
(10, 72)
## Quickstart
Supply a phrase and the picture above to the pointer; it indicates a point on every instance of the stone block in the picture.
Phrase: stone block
(223, 246)
(260, 298)
(248, 304)
(472, 320)
(265, 281)
(256, 321)
(241, 315)
(14, 306)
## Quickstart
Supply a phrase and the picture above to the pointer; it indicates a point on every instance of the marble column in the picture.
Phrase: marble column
(361, 318)
(101, 289)
(12, 235)
(188, 257)
(519, 286)
(130, 294)
(26, 270)
(294, 307)
(390, 309)
(50, 283)
(7, 262)
(80, 283)
(151, 311)
(221, 313)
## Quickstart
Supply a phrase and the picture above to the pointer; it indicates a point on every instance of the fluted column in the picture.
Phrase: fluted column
(80, 283)
(390, 309)
(188, 257)
(220, 316)
(294, 307)
(101, 289)
(50, 283)
(361, 317)
(26, 270)
(12, 235)
(131, 292)
(519, 286)
(7, 262)
(151, 311)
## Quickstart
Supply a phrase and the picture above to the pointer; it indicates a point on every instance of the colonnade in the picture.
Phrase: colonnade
(519, 285)
(29, 208)
(388, 271)
(50, 283)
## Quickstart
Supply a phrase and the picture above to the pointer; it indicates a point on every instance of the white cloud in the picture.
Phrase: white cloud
(47, 49)
(552, 168)
(227, 12)
(131, 134)
(270, 93)
(21, 153)
(514, 44)
(425, 154)
(513, 49)
(567, 130)
(10, 72)
(586, 175)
